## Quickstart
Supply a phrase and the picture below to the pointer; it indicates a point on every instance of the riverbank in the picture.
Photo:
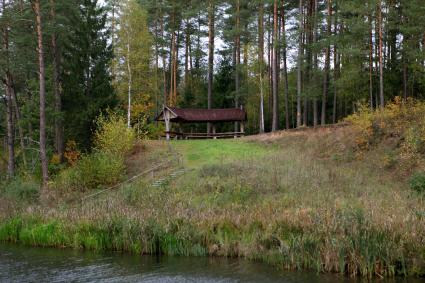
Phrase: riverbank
(23, 264)
(298, 200)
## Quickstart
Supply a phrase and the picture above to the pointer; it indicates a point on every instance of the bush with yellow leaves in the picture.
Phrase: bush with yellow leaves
(402, 121)
(105, 165)
(112, 135)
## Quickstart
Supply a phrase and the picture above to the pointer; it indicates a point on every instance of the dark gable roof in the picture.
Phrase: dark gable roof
(206, 115)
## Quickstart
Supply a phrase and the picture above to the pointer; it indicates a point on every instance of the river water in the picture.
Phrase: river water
(23, 264)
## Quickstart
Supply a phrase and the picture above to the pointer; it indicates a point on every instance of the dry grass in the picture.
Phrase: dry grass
(298, 199)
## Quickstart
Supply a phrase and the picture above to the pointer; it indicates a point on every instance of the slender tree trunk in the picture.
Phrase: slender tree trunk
(130, 79)
(381, 66)
(171, 64)
(175, 66)
(42, 72)
(307, 60)
(238, 59)
(336, 67)
(405, 77)
(285, 67)
(57, 89)
(113, 30)
(261, 60)
(336, 76)
(327, 65)
(299, 63)
(275, 121)
(186, 55)
(10, 129)
(211, 37)
(370, 63)
(156, 67)
(376, 52)
(164, 74)
(9, 105)
(18, 124)
(190, 59)
(270, 65)
(315, 66)
(198, 47)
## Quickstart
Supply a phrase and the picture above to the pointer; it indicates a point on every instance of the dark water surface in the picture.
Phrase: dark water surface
(23, 264)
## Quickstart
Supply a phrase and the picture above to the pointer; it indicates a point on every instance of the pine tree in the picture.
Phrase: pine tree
(211, 38)
(275, 68)
(87, 80)
(42, 81)
(7, 85)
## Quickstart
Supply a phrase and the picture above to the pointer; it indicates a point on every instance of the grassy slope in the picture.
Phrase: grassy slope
(298, 199)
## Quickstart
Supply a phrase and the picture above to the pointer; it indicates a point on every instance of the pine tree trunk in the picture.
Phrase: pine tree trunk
(336, 67)
(156, 68)
(10, 131)
(285, 67)
(186, 55)
(171, 65)
(270, 65)
(57, 90)
(18, 123)
(198, 47)
(275, 119)
(299, 63)
(370, 63)
(309, 36)
(238, 59)
(261, 60)
(211, 37)
(336, 76)
(405, 77)
(306, 47)
(381, 66)
(42, 81)
(164, 73)
(315, 65)
(327, 66)
(175, 64)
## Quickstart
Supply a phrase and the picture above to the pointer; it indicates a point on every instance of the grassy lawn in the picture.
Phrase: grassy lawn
(200, 152)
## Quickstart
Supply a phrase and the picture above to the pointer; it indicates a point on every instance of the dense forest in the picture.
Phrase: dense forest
(288, 63)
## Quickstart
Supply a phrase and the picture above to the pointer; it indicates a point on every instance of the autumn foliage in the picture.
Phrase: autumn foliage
(400, 126)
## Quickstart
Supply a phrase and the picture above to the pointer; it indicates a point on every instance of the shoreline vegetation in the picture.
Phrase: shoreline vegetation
(333, 199)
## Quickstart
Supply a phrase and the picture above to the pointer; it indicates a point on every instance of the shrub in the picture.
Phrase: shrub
(22, 190)
(96, 170)
(113, 136)
(154, 131)
(417, 182)
(72, 154)
(105, 165)
(401, 122)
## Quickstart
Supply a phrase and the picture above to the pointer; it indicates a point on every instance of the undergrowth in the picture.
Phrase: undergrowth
(105, 165)
(401, 126)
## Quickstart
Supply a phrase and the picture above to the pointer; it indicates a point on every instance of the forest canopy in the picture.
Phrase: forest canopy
(288, 63)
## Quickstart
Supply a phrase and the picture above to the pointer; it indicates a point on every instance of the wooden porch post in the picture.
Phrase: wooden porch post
(214, 131)
(167, 123)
